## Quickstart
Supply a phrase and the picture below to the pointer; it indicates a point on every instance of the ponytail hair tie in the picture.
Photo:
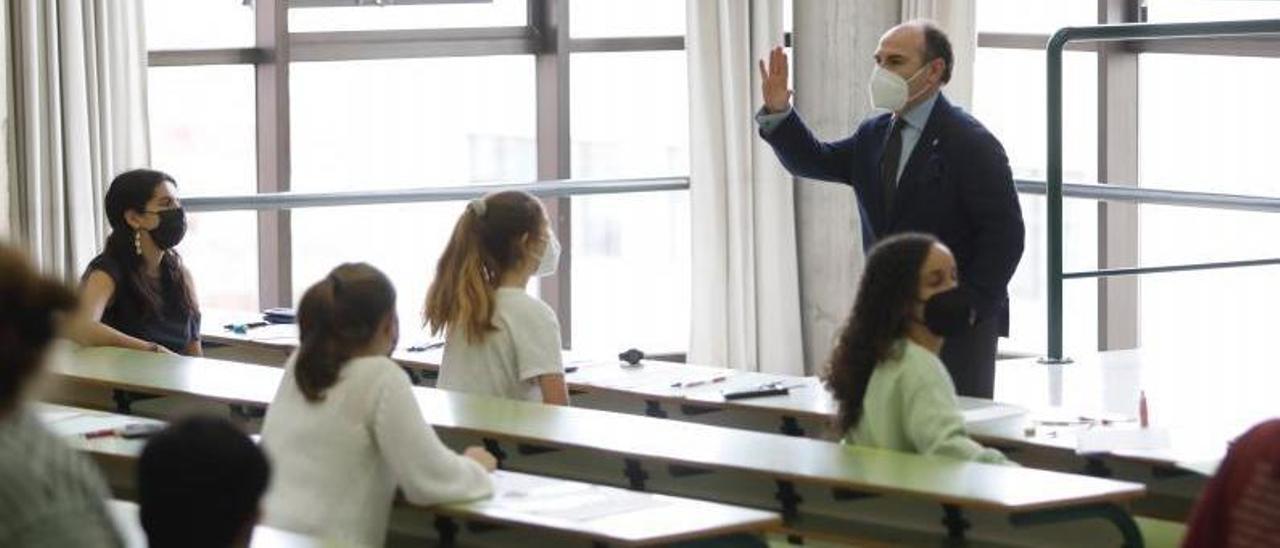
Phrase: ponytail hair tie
(478, 206)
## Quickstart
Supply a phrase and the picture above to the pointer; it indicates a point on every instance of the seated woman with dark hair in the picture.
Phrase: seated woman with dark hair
(137, 294)
(893, 391)
(49, 494)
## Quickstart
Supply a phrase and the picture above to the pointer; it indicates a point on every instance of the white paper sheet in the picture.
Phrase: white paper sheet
(991, 411)
(1106, 440)
(570, 501)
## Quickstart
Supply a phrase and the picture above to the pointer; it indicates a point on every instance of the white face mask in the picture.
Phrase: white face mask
(888, 90)
(550, 258)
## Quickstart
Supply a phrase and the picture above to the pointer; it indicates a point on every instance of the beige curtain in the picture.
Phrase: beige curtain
(6, 125)
(79, 117)
(746, 310)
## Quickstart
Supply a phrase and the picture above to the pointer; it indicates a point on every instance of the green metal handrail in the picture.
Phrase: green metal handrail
(1103, 33)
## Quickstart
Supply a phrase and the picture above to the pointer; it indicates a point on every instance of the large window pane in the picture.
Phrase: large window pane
(210, 151)
(412, 122)
(1208, 124)
(1034, 16)
(1170, 11)
(496, 13)
(1009, 98)
(198, 24)
(630, 252)
(221, 251)
(594, 18)
(629, 114)
(404, 241)
(631, 272)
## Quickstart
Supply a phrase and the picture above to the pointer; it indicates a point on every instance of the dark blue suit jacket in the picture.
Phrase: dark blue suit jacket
(956, 185)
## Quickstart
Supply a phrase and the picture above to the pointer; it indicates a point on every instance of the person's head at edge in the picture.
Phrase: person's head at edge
(902, 273)
(1233, 508)
(351, 313)
(200, 483)
(30, 318)
(147, 221)
(920, 54)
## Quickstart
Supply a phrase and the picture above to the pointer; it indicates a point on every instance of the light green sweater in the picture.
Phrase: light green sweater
(911, 406)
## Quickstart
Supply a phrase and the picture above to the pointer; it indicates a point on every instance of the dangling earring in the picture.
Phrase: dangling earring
(137, 242)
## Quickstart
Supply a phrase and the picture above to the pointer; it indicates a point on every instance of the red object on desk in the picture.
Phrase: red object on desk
(100, 433)
(1142, 408)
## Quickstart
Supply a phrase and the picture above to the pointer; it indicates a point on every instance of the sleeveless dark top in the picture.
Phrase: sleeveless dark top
(128, 314)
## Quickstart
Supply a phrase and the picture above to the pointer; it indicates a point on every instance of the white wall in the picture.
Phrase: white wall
(835, 40)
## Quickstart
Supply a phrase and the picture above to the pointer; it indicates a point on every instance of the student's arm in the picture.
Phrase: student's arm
(554, 390)
(427, 471)
(87, 328)
(195, 347)
(933, 420)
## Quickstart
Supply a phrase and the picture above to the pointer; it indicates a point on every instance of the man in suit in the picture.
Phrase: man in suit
(925, 166)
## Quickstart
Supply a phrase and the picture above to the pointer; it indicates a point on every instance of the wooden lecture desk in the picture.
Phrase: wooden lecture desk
(1025, 496)
(1027, 414)
(599, 514)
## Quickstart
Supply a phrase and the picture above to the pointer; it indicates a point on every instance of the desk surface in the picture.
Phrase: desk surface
(1204, 396)
(125, 515)
(1196, 444)
(555, 505)
(775, 456)
(807, 398)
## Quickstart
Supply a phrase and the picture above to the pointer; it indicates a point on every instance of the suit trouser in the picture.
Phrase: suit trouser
(971, 359)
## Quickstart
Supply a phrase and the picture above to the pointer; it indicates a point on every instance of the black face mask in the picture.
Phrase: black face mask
(172, 227)
(949, 313)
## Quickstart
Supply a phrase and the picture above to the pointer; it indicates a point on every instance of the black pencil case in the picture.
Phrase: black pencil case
(756, 393)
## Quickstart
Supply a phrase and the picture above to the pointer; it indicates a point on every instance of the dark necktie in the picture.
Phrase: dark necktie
(889, 164)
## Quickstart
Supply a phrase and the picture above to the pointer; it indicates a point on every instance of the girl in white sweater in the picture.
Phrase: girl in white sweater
(893, 391)
(344, 430)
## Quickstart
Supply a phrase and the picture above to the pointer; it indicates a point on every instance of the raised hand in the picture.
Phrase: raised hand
(773, 81)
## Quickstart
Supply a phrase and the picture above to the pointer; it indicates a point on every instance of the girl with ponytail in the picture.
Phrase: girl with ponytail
(499, 341)
(344, 425)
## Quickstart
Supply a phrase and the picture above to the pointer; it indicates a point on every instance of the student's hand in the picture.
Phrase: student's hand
(773, 82)
(478, 454)
(161, 349)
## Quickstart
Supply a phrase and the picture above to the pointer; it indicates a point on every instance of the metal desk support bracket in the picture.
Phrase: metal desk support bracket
(1117, 516)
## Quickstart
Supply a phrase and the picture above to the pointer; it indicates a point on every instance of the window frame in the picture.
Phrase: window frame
(546, 37)
(1118, 236)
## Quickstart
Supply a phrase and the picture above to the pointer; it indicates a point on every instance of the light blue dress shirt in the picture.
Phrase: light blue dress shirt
(916, 118)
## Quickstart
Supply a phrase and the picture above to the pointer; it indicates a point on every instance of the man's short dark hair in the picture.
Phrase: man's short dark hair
(199, 484)
(938, 46)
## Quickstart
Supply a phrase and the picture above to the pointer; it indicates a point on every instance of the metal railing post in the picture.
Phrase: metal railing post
(1101, 33)
(1054, 197)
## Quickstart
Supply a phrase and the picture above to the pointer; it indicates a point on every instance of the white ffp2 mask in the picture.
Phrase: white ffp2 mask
(550, 259)
(888, 90)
